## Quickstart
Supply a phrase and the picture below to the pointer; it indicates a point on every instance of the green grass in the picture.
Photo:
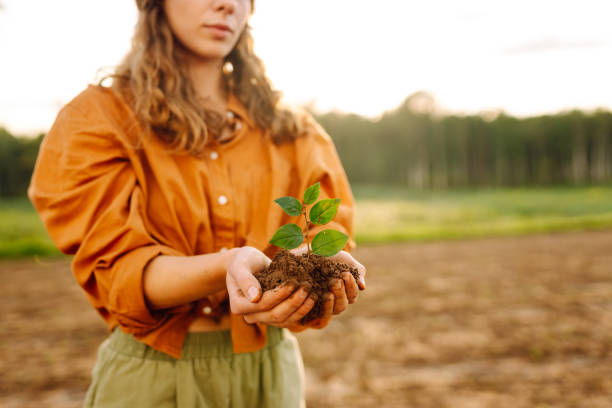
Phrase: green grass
(391, 214)
(21, 231)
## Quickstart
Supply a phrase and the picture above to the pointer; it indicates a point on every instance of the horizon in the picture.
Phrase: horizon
(487, 115)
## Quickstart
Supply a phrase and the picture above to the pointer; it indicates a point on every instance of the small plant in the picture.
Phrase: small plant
(327, 242)
(317, 271)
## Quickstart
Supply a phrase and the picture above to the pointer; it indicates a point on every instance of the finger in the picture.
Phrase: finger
(298, 327)
(245, 280)
(362, 273)
(280, 313)
(238, 302)
(348, 259)
(340, 301)
(245, 264)
(327, 310)
(302, 311)
(270, 298)
(352, 290)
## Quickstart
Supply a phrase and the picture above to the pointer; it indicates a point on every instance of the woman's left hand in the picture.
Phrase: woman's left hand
(344, 291)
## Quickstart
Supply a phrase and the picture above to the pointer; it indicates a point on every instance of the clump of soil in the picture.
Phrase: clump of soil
(315, 272)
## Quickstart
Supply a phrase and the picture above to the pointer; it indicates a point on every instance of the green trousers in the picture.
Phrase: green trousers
(129, 373)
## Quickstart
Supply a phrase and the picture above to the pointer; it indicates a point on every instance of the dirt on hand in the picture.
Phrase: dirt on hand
(314, 272)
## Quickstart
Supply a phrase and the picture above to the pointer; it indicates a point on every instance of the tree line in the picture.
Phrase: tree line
(417, 147)
(17, 158)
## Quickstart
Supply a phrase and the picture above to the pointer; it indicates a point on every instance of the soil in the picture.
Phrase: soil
(520, 322)
(313, 272)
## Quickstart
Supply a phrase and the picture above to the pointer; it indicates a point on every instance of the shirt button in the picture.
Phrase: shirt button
(207, 310)
(222, 200)
(214, 155)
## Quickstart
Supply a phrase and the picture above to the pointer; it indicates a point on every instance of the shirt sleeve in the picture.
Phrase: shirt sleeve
(319, 162)
(87, 195)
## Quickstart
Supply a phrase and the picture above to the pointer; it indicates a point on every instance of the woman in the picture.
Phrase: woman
(162, 187)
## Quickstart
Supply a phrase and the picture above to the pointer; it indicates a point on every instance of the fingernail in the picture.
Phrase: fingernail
(252, 293)
(362, 281)
(337, 284)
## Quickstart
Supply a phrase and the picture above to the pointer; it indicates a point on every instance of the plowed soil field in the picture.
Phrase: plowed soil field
(508, 322)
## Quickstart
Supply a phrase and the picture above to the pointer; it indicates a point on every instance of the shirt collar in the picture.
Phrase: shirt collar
(235, 105)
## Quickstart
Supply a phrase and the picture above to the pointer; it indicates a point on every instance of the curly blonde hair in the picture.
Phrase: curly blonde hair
(151, 78)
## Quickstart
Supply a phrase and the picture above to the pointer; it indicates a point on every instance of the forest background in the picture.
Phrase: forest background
(416, 147)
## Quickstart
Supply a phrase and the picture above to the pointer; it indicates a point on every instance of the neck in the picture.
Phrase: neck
(207, 79)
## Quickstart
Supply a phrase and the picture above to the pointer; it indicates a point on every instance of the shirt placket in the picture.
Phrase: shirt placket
(222, 201)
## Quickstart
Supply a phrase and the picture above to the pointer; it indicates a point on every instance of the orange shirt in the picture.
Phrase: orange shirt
(115, 207)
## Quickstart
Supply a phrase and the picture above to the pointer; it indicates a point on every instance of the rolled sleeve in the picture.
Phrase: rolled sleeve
(92, 204)
(127, 301)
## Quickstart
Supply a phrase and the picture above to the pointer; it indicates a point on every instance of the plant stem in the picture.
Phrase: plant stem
(307, 240)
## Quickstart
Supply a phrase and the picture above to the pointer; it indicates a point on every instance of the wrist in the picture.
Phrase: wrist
(228, 256)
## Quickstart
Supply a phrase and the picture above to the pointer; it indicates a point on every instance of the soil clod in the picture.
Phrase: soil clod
(314, 272)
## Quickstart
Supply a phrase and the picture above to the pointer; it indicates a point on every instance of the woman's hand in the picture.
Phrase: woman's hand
(282, 307)
(344, 291)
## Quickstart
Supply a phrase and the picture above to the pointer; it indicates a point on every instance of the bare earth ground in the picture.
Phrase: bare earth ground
(510, 322)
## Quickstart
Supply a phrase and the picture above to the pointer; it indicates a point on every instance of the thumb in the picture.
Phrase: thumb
(246, 281)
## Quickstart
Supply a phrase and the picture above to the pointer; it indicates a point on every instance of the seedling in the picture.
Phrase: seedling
(327, 242)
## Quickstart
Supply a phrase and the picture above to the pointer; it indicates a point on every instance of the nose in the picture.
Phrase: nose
(227, 6)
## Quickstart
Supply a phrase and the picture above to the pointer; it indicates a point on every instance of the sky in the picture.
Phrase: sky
(525, 57)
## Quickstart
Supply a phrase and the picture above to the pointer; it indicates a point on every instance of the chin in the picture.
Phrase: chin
(210, 51)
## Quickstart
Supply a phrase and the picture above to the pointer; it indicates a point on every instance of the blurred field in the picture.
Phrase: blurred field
(389, 214)
(501, 323)
(393, 214)
(21, 231)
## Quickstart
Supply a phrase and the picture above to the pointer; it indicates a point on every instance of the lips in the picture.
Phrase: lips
(221, 27)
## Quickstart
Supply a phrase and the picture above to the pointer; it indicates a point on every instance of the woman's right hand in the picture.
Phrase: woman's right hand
(282, 307)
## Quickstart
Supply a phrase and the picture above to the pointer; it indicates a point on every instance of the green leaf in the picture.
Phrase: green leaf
(312, 193)
(288, 236)
(324, 211)
(329, 242)
(291, 205)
